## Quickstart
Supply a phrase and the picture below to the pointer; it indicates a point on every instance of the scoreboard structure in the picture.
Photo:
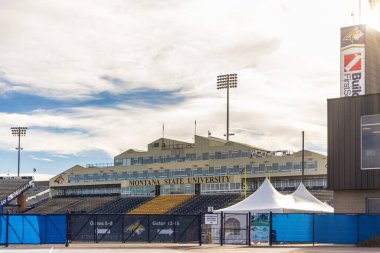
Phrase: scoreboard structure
(359, 61)
(353, 124)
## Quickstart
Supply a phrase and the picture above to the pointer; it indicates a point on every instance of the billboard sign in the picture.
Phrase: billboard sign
(352, 61)
(370, 142)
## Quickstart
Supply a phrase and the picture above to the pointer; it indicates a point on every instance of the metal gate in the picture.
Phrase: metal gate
(134, 228)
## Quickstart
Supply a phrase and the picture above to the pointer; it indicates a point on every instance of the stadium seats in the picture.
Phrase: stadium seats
(161, 204)
(200, 203)
(9, 185)
(74, 204)
(123, 205)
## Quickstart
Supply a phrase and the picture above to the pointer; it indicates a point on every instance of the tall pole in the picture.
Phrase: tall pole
(18, 131)
(228, 109)
(245, 182)
(303, 155)
(18, 164)
(226, 82)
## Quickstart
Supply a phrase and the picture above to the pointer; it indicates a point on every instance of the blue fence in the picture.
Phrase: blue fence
(32, 229)
(324, 228)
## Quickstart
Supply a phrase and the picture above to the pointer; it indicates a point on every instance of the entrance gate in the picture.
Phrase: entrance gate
(134, 228)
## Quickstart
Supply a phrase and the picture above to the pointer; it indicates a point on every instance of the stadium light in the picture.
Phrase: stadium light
(18, 131)
(226, 82)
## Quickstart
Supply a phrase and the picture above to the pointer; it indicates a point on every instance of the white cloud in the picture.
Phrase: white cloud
(286, 54)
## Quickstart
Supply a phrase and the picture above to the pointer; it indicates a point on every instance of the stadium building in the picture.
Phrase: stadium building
(208, 166)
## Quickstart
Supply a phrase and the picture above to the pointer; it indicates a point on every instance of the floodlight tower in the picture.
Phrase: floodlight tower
(226, 82)
(18, 131)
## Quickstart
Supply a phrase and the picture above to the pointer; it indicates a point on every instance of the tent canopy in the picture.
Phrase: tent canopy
(267, 198)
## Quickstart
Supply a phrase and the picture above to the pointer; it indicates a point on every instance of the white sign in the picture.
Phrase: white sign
(211, 219)
(352, 61)
(352, 72)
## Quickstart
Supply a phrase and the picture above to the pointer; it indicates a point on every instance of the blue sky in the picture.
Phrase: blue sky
(93, 79)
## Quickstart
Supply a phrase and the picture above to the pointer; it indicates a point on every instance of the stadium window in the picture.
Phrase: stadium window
(218, 155)
(224, 155)
(275, 167)
(223, 170)
(205, 156)
(211, 156)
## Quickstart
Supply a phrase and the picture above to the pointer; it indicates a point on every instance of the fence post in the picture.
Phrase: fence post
(357, 228)
(122, 228)
(7, 231)
(174, 228)
(200, 229)
(249, 228)
(270, 228)
(221, 228)
(67, 228)
(313, 228)
(96, 228)
(148, 228)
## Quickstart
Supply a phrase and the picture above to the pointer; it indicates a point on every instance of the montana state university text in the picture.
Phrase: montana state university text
(192, 180)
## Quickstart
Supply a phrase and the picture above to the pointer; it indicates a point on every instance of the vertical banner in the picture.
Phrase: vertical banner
(260, 228)
(352, 61)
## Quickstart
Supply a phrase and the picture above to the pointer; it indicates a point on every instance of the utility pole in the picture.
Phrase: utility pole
(303, 156)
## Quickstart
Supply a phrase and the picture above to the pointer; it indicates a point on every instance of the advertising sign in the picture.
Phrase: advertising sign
(260, 227)
(370, 140)
(352, 61)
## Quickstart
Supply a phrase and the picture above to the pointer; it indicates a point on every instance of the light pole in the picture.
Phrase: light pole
(226, 82)
(18, 131)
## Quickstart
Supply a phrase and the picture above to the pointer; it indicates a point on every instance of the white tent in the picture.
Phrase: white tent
(267, 198)
(305, 201)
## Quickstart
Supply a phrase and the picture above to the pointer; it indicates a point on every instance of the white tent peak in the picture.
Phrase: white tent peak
(266, 198)
(303, 196)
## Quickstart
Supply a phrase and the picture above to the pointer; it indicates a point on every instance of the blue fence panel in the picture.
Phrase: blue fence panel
(336, 228)
(292, 227)
(3, 228)
(55, 229)
(23, 229)
(369, 226)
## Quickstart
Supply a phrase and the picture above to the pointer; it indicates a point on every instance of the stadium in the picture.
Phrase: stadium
(192, 177)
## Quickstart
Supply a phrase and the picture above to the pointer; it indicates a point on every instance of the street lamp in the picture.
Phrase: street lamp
(18, 131)
(226, 82)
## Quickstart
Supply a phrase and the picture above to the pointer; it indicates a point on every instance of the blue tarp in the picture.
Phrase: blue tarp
(292, 227)
(34, 229)
(336, 228)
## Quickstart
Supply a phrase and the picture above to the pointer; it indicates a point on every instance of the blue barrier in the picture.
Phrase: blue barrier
(369, 226)
(33, 229)
(336, 228)
(3, 228)
(292, 227)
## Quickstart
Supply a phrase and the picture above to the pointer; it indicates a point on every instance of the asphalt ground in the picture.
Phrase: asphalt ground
(177, 248)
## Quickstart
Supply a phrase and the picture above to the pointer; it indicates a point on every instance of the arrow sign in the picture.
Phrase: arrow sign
(168, 231)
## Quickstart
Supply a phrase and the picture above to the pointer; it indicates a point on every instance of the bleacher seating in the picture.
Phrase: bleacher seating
(35, 194)
(10, 184)
(200, 203)
(161, 204)
(74, 204)
(123, 205)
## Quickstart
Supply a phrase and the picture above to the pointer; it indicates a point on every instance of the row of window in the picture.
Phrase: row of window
(183, 158)
(194, 172)
(86, 191)
(187, 188)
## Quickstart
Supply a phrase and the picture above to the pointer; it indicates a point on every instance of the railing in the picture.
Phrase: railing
(99, 165)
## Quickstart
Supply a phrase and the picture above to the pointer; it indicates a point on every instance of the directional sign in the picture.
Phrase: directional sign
(168, 231)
